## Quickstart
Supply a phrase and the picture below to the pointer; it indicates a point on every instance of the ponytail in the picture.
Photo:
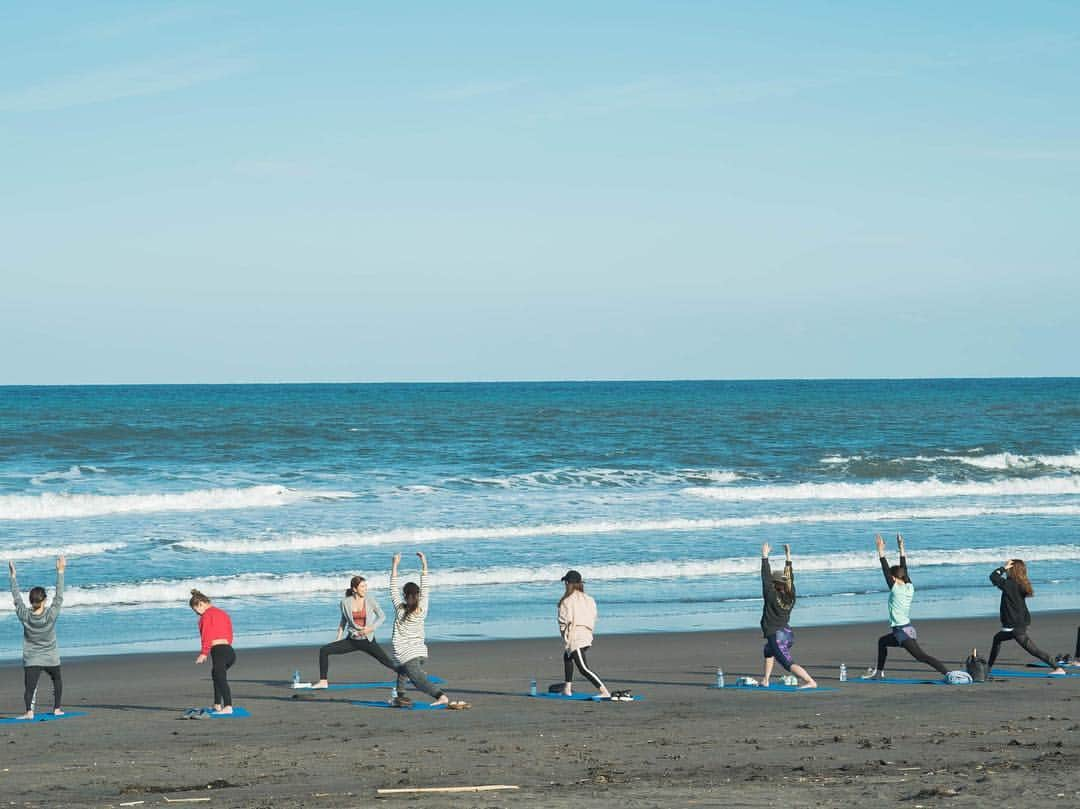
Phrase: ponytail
(198, 597)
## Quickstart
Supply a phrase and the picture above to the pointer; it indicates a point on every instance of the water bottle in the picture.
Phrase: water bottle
(393, 694)
(719, 677)
(532, 687)
(843, 672)
(296, 678)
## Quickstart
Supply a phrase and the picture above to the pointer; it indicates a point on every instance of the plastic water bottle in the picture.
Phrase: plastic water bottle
(532, 687)
(719, 677)
(296, 678)
(393, 694)
(843, 672)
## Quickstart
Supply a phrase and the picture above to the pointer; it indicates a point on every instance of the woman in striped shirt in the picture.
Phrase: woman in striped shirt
(410, 611)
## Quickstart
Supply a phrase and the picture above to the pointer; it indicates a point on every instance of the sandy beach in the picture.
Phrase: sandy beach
(1010, 742)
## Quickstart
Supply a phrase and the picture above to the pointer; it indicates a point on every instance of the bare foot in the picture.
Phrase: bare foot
(764, 683)
(567, 690)
(223, 711)
(443, 700)
(1059, 671)
(808, 684)
(217, 708)
(321, 684)
(604, 693)
(27, 715)
(57, 712)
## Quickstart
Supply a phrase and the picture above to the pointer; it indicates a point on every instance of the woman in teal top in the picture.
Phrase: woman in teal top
(902, 633)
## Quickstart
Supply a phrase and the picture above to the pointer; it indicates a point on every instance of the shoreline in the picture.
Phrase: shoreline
(1011, 741)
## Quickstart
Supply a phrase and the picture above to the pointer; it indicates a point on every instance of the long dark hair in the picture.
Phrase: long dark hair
(355, 580)
(785, 593)
(197, 598)
(411, 592)
(1018, 572)
(900, 572)
(571, 588)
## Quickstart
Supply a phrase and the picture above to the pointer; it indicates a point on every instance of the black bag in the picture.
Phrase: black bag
(977, 668)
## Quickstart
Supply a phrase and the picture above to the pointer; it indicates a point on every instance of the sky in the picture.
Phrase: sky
(348, 191)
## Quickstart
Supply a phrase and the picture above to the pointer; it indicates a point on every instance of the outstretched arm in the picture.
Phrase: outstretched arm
(422, 603)
(883, 560)
(58, 598)
(766, 573)
(20, 606)
(903, 555)
(395, 591)
(788, 569)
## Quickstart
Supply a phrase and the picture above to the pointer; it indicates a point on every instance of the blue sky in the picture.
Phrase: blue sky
(482, 191)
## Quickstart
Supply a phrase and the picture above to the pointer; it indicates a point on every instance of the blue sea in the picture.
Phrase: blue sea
(269, 498)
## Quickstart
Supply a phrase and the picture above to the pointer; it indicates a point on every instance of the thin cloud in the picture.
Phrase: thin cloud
(127, 81)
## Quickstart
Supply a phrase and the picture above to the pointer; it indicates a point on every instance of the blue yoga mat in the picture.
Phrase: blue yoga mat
(1070, 671)
(356, 686)
(1038, 675)
(42, 717)
(901, 681)
(237, 713)
(785, 689)
(416, 706)
(579, 697)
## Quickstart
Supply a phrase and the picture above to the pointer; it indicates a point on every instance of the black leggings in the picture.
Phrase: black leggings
(1021, 637)
(30, 679)
(578, 657)
(222, 657)
(346, 645)
(911, 646)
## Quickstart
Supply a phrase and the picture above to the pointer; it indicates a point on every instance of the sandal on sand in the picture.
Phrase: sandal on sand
(458, 705)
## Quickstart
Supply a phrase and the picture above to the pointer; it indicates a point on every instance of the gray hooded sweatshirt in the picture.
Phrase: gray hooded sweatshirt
(39, 631)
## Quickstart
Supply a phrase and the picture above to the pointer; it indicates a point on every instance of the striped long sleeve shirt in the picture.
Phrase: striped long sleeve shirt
(408, 638)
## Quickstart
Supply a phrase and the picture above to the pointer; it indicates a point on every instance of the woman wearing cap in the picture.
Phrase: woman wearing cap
(778, 589)
(577, 619)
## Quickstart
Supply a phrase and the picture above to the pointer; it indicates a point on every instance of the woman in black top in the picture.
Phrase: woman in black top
(1012, 580)
(778, 590)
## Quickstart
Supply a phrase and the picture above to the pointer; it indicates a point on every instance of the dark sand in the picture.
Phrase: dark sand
(1005, 743)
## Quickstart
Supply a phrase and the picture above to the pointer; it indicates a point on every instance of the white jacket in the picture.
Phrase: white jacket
(577, 620)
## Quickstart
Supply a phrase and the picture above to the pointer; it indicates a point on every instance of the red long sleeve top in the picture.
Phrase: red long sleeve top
(214, 624)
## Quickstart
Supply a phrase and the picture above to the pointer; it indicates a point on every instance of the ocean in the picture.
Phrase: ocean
(269, 497)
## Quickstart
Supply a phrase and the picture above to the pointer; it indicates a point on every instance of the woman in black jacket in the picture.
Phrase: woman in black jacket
(778, 591)
(1012, 580)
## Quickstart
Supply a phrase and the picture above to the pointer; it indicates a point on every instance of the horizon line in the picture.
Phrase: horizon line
(553, 381)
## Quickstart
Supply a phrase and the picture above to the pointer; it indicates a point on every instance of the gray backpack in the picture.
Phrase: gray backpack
(977, 668)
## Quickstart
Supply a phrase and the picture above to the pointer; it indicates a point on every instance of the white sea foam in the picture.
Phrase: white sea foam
(403, 536)
(266, 585)
(1001, 461)
(840, 459)
(893, 489)
(52, 506)
(597, 476)
(71, 473)
(52, 551)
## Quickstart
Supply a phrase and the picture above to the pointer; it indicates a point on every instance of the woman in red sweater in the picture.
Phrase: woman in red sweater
(215, 629)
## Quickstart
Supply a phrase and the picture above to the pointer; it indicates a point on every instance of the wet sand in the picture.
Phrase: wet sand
(1011, 742)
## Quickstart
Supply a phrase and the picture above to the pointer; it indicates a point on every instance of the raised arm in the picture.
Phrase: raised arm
(422, 604)
(788, 569)
(20, 606)
(395, 591)
(58, 597)
(903, 556)
(884, 560)
(1000, 576)
(767, 591)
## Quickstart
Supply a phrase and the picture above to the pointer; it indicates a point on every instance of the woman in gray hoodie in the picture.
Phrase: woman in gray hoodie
(360, 617)
(39, 637)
